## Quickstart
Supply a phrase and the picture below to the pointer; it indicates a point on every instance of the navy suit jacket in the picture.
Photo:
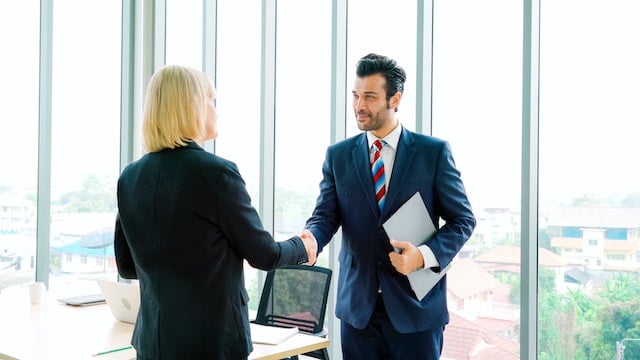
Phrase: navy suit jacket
(347, 200)
(185, 225)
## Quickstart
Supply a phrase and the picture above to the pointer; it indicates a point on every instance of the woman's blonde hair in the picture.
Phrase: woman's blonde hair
(175, 109)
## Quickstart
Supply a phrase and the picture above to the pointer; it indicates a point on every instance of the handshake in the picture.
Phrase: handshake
(311, 245)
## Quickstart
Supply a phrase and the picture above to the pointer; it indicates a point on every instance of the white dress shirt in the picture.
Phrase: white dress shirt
(388, 154)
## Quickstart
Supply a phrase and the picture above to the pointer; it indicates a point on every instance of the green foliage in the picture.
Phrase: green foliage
(632, 344)
(513, 280)
(621, 287)
(582, 305)
(610, 316)
(253, 290)
(546, 279)
(549, 332)
(589, 200)
(55, 263)
(577, 326)
(632, 200)
(297, 291)
(96, 195)
(293, 208)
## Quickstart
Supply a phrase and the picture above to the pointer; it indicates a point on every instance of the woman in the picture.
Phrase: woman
(185, 224)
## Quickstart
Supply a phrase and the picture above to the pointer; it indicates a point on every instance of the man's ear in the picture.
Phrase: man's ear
(395, 100)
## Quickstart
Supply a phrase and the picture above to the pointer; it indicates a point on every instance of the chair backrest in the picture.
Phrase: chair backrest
(295, 295)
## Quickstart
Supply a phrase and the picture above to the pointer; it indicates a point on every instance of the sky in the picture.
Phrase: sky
(588, 89)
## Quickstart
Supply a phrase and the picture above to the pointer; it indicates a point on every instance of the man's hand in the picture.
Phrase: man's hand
(407, 258)
(311, 245)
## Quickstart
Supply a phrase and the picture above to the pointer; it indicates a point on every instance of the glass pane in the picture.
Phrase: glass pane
(589, 180)
(18, 140)
(238, 100)
(477, 92)
(303, 115)
(85, 141)
(184, 33)
(386, 27)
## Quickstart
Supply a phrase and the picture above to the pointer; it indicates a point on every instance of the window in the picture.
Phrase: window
(588, 92)
(85, 132)
(302, 117)
(238, 101)
(18, 140)
(477, 88)
(363, 38)
(616, 257)
(588, 180)
(184, 33)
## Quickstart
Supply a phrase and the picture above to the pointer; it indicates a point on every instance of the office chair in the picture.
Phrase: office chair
(296, 296)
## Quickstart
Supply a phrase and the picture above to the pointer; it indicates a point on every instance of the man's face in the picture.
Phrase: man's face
(370, 106)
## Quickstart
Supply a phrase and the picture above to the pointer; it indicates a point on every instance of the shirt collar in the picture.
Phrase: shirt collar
(391, 139)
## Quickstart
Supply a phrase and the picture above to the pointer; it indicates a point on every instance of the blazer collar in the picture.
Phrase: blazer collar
(360, 158)
(404, 157)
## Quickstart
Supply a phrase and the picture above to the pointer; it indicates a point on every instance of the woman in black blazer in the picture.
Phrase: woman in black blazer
(185, 224)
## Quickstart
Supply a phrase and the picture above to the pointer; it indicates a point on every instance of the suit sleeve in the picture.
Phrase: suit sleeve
(124, 260)
(453, 206)
(325, 221)
(242, 226)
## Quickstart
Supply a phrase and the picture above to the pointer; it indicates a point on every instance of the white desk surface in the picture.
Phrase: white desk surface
(52, 330)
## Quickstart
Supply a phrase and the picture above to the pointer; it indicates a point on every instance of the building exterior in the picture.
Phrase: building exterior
(483, 324)
(597, 238)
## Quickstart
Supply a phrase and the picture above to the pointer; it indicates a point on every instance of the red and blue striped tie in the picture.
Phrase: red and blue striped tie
(377, 170)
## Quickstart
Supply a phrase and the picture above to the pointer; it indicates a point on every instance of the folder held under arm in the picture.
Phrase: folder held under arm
(412, 223)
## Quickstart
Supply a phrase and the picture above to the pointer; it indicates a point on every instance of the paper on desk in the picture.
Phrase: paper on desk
(270, 335)
(412, 223)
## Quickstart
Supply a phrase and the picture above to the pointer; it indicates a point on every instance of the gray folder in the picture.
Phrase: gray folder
(412, 223)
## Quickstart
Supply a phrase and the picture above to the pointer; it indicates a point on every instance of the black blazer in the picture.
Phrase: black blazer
(185, 223)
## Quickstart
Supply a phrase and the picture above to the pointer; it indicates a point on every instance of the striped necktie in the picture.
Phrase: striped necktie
(377, 170)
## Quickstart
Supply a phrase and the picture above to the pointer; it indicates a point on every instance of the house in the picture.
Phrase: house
(475, 294)
(78, 258)
(468, 340)
(507, 259)
(597, 238)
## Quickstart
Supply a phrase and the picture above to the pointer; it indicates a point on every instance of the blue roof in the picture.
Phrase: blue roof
(76, 249)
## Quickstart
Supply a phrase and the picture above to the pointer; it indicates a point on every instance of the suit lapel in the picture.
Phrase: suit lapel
(360, 158)
(401, 165)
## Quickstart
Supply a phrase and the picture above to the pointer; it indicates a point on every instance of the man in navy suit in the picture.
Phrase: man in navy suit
(381, 318)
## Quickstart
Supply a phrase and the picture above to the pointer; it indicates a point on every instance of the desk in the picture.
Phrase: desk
(52, 330)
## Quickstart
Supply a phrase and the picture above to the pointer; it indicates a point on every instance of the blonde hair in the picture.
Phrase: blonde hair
(175, 109)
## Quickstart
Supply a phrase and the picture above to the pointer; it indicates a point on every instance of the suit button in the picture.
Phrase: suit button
(378, 263)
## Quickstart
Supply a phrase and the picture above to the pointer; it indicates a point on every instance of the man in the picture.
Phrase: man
(381, 318)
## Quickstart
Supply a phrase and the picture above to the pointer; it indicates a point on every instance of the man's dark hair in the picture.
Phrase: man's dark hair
(394, 75)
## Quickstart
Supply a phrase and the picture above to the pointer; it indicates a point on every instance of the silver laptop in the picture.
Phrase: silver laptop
(83, 300)
(122, 298)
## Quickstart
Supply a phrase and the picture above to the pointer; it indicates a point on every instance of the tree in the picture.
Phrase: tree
(588, 200)
(632, 200)
(614, 315)
(546, 279)
(96, 195)
(621, 287)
